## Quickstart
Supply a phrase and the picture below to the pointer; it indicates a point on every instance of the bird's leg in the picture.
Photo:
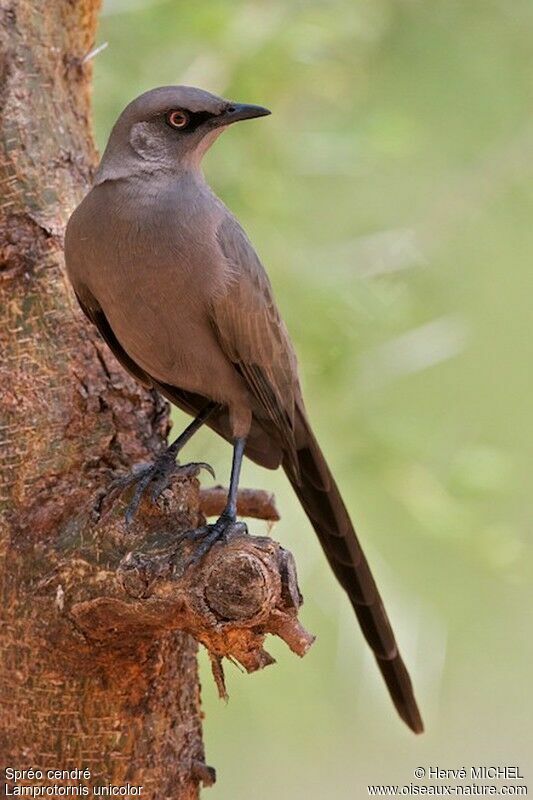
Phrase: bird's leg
(213, 533)
(158, 473)
(230, 512)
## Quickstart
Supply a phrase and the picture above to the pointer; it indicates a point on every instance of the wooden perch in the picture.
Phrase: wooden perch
(136, 584)
(253, 503)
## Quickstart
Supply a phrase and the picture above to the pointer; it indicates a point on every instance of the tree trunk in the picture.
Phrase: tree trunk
(97, 661)
(68, 417)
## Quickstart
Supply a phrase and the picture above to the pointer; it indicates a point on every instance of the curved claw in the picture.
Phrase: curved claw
(211, 534)
(203, 465)
(158, 474)
(135, 501)
(160, 484)
(123, 481)
(211, 537)
(189, 470)
(195, 533)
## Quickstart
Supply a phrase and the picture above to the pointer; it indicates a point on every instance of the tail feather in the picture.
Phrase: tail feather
(316, 489)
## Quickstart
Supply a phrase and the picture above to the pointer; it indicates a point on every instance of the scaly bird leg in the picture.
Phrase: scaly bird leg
(210, 534)
(158, 473)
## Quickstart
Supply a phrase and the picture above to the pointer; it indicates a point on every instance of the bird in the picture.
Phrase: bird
(170, 279)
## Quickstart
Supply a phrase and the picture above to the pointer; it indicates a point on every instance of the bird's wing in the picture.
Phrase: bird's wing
(187, 401)
(253, 336)
(258, 450)
(91, 308)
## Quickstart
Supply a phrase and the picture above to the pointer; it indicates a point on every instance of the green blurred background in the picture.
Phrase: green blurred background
(390, 196)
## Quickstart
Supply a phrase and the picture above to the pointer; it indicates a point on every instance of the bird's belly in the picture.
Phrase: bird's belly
(169, 335)
(155, 285)
(157, 333)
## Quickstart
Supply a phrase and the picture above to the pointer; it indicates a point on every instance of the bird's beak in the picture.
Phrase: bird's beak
(238, 111)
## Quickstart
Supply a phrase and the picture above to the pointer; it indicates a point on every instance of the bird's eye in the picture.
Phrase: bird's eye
(178, 119)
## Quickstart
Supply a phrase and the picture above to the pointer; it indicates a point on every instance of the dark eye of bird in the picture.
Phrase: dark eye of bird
(178, 119)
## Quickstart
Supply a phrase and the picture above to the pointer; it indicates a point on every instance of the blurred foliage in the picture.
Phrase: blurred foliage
(390, 197)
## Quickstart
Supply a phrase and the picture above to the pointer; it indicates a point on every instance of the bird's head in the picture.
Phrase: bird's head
(168, 128)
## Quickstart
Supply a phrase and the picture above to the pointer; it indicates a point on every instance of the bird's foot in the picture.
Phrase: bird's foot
(154, 477)
(208, 535)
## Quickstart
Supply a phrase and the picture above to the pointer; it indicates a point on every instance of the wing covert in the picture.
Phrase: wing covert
(253, 335)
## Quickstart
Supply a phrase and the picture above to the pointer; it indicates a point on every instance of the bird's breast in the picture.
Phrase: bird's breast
(159, 236)
(154, 265)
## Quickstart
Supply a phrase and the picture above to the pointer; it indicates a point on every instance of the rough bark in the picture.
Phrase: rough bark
(98, 623)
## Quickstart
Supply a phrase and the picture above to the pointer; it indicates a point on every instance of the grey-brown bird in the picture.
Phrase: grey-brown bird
(169, 277)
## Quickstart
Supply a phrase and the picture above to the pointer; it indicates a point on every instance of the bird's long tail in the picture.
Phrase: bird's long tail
(323, 504)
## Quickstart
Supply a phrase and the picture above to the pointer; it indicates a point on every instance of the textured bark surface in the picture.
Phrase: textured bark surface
(99, 623)
(69, 416)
